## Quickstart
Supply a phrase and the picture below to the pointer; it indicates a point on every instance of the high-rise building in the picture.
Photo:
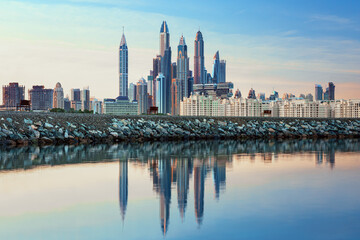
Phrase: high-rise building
(85, 99)
(326, 94)
(123, 67)
(155, 72)
(150, 81)
(96, 106)
(164, 38)
(12, 95)
(222, 74)
(41, 98)
(173, 70)
(132, 92)
(309, 97)
(160, 93)
(261, 96)
(331, 91)
(142, 96)
(251, 94)
(199, 63)
(318, 92)
(237, 94)
(216, 68)
(75, 94)
(175, 96)
(58, 98)
(165, 52)
(182, 69)
(67, 103)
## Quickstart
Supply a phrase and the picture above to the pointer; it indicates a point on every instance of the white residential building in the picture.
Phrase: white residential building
(200, 105)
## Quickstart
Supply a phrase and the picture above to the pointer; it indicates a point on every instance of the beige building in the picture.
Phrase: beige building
(199, 105)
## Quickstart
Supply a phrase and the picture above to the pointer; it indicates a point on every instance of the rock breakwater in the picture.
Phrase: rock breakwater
(57, 128)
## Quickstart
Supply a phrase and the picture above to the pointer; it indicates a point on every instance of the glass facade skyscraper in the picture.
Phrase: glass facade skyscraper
(318, 92)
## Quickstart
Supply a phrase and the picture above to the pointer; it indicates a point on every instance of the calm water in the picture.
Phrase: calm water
(299, 189)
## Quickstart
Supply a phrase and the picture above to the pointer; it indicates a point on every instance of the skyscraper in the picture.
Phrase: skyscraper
(85, 99)
(155, 72)
(142, 96)
(12, 95)
(222, 74)
(216, 68)
(132, 92)
(182, 69)
(123, 67)
(75, 99)
(164, 38)
(318, 92)
(75, 94)
(251, 94)
(160, 93)
(58, 98)
(175, 96)
(199, 63)
(41, 98)
(331, 91)
(165, 52)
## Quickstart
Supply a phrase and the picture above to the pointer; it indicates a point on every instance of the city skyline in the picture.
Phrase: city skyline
(319, 46)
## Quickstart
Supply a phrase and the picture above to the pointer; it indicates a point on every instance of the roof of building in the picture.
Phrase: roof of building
(198, 36)
(122, 98)
(182, 40)
(123, 40)
(164, 28)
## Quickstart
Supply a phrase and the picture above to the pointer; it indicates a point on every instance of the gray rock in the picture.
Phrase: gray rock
(48, 125)
(28, 121)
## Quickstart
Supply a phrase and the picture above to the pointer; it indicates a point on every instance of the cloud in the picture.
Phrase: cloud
(330, 18)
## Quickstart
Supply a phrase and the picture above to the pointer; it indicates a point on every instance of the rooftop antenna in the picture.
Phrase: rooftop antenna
(123, 29)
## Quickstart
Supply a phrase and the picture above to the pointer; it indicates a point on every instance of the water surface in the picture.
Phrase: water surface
(298, 189)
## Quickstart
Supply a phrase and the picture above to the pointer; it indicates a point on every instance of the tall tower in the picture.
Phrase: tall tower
(164, 38)
(331, 91)
(123, 67)
(199, 64)
(318, 92)
(182, 69)
(216, 68)
(58, 97)
(165, 52)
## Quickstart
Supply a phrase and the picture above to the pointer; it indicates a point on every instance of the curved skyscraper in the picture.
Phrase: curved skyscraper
(199, 64)
(123, 67)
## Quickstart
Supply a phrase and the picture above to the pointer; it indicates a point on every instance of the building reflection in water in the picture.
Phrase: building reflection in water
(174, 164)
(123, 187)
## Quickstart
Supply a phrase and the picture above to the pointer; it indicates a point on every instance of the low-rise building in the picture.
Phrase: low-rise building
(120, 106)
(200, 105)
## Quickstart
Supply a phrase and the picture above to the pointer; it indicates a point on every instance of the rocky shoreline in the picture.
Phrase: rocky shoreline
(21, 129)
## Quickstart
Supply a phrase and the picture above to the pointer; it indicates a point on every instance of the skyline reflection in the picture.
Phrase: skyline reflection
(172, 166)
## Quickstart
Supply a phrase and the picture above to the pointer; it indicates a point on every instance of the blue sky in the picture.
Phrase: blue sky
(283, 45)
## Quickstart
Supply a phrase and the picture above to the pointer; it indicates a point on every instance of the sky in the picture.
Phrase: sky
(287, 46)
